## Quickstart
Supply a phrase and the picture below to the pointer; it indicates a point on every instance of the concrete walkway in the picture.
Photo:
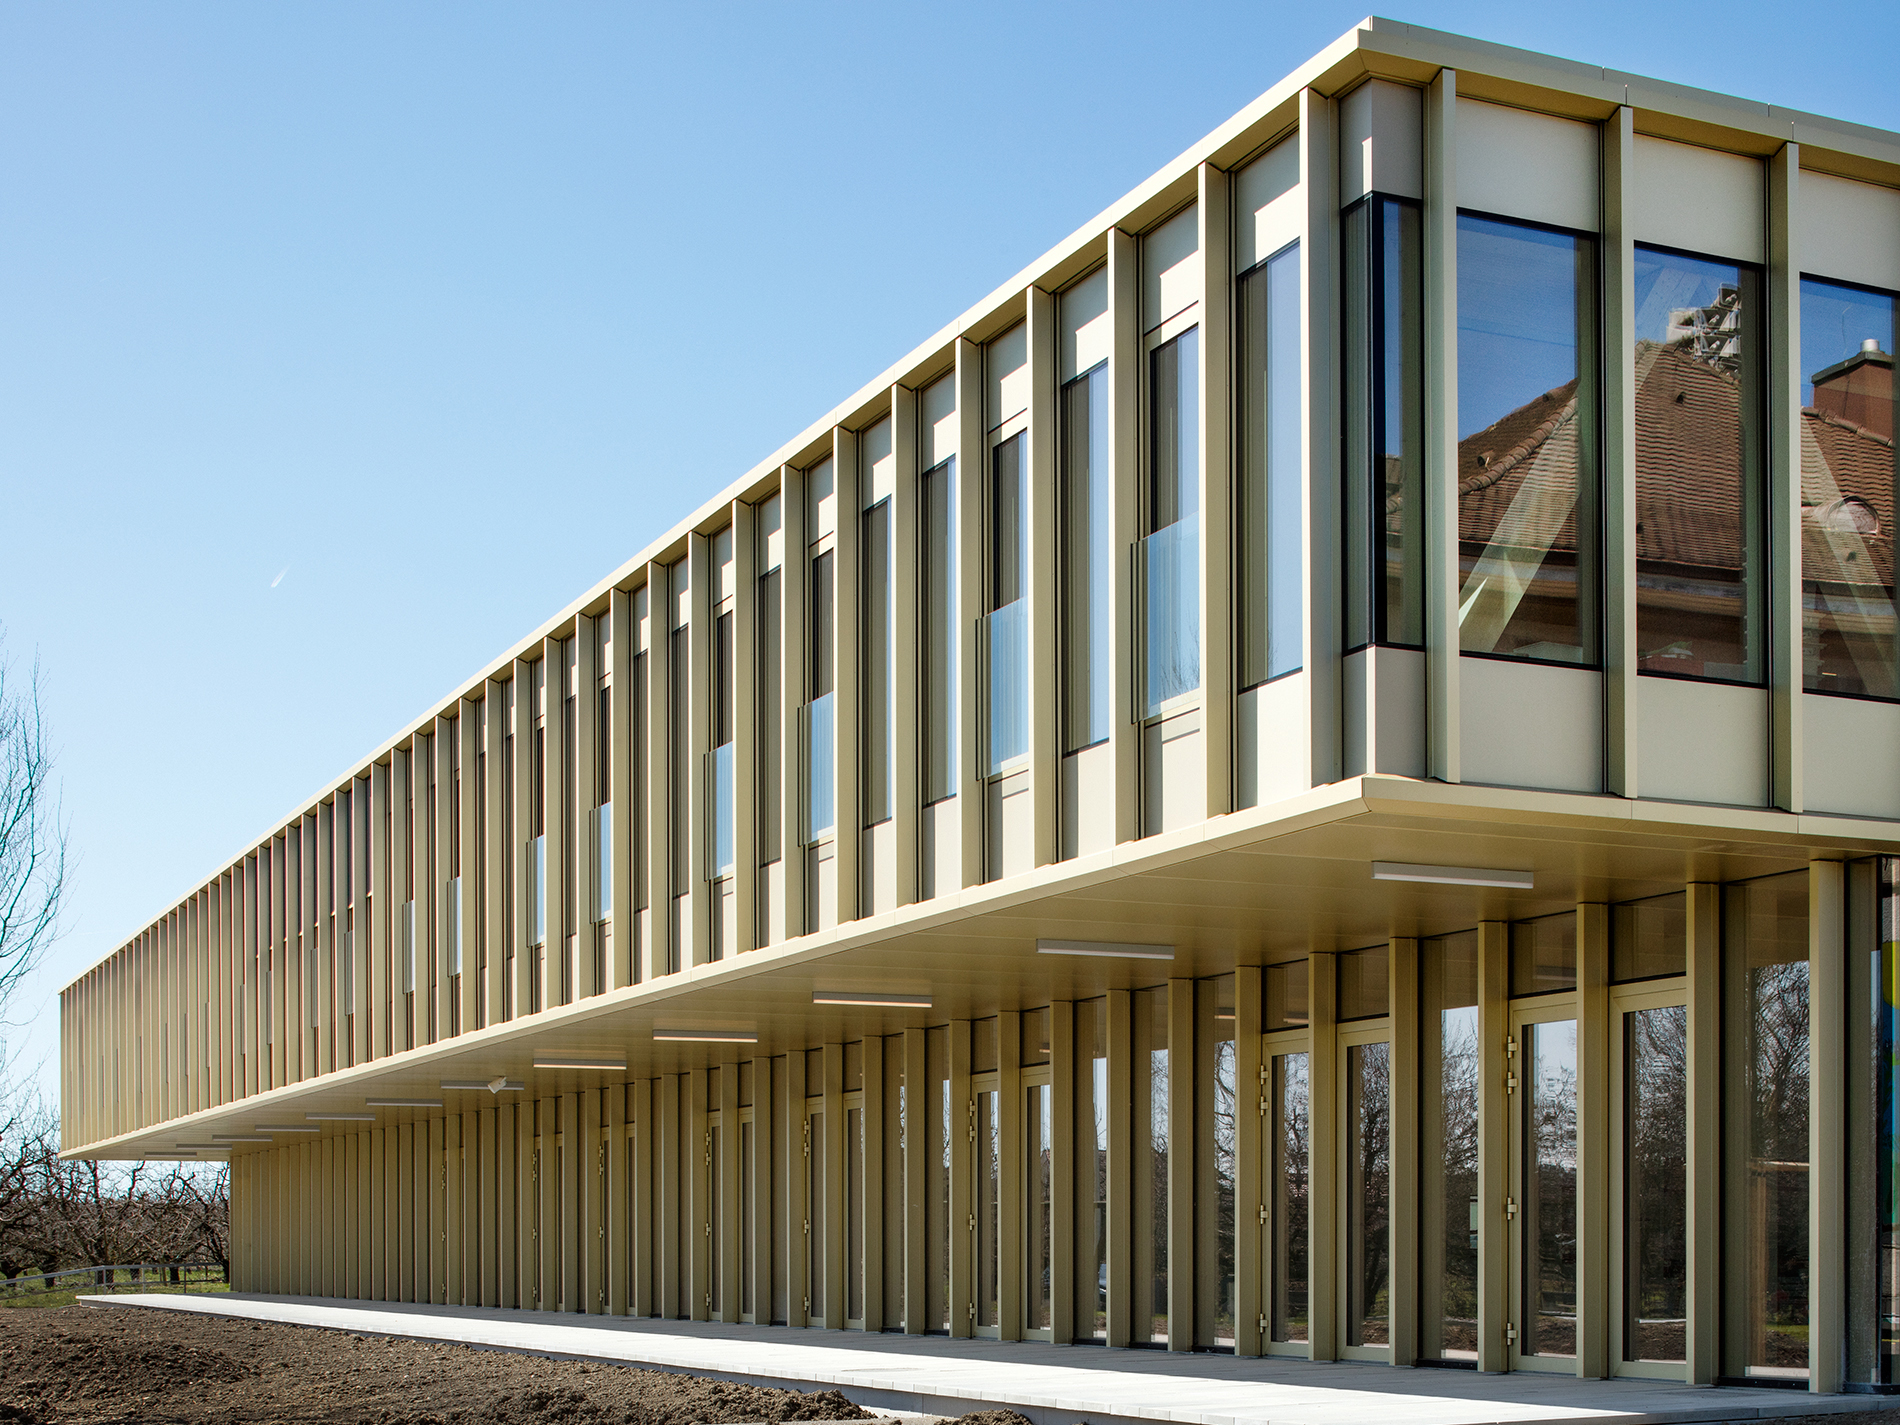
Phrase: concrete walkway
(1052, 1385)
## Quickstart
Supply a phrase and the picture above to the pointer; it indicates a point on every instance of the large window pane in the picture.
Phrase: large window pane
(1448, 1320)
(770, 729)
(1544, 954)
(1368, 1194)
(989, 1187)
(1006, 623)
(1272, 567)
(1655, 1184)
(1290, 1149)
(1527, 441)
(1216, 1096)
(1087, 559)
(1384, 428)
(1171, 546)
(1040, 1135)
(1549, 1105)
(939, 1124)
(937, 616)
(1850, 634)
(878, 630)
(1699, 540)
(1092, 1109)
(722, 808)
(1149, 1134)
(820, 714)
(854, 1214)
(1649, 938)
(1765, 1125)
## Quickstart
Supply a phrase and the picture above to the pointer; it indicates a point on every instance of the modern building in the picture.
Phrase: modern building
(1313, 776)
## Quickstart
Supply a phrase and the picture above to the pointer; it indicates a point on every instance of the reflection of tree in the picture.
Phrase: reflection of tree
(1657, 1280)
(1224, 1158)
(1458, 1088)
(1370, 1070)
(1158, 1188)
(1778, 1158)
(1552, 1206)
(1293, 1096)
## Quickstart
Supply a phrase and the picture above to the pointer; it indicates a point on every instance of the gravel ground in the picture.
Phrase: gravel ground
(78, 1365)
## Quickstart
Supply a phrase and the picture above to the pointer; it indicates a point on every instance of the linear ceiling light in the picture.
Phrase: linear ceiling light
(198, 1147)
(871, 997)
(494, 1086)
(288, 1128)
(1451, 875)
(341, 1117)
(403, 1102)
(219, 1139)
(569, 1061)
(706, 1036)
(1105, 949)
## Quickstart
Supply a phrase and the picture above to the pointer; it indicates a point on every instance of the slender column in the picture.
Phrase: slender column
(1181, 1073)
(917, 1090)
(1440, 242)
(528, 1232)
(1120, 1170)
(488, 1164)
(497, 865)
(1494, 1145)
(400, 877)
(623, 962)
(323, 909)
(960, 1241)
(402, 1286)
(619, 1196)
(1595, 1126)
(421, 889)
(436, 1183)
(1045, 770)
(507, 1207)
(658, 842)
(573, 1218)
(666, 1123)
(1402, 1086)
(1250, 1121)
(973, 478)
(1319, 426)
(591, 1167)
(377, 1235)
(1827, 1124)
(1062, 1172)
(762, 1214)
(376, 1012)
(547, 1180)
(465, 808)
(1619, 453)
(1703, 1151)
(1324, 1157)
(1785, 374)
(1214, 217)
(1124, 399)
(557, 988)
(833, 1205)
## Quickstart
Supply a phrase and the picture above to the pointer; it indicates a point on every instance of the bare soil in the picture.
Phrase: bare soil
(80, 1365)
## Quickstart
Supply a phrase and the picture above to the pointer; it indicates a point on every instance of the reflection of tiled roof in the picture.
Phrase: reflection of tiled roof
(1688, 514)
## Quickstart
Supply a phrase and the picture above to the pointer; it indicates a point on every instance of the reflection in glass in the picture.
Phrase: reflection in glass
(937, 625)
(1087, 559)
(1850, 635)
(1544, 954)
(815, 1216)
(1215, 1093)
(1091, 1020)
(1448, 1324)
(1527, 441)
(1649, 938)
(1007, 616)
(1271, 569)
(1365, 986)
(821, 740)
(939, 1125)
(1286, 994)
(1171, 549)
(1041, 1141)
(1287, 1182)
(1385, 430)
(1368, 1194)
(719, 788)
(989, 1148)
(878, 591)
(1655, 1184)
(1148, 1121)
(1699, 540)
(1549, 1094)
(1765, 1124)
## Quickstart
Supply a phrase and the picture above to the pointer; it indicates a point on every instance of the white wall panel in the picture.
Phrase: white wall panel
(1272, 742)
(1852, 754)
(1170, 268)
(1699, 200)
(937, 422)
(1849, 230)
(1701, 742)
(879, 464)
(1006, 376)
(1381, 133)
(1267, 213)
(1530, 725)
(1173, 772)
(1088, 801)
(1384, 690)
(1085, 327)
(1522, 165)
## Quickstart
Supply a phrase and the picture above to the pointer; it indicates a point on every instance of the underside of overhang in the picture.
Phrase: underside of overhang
(1253, 888)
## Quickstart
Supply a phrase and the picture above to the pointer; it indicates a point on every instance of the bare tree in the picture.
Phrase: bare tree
(32, 833)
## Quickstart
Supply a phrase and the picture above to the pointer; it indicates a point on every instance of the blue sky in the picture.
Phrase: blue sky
(370, 295)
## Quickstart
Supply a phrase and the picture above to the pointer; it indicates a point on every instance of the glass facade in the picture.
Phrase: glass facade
(878, 630)
(1700, 545)
(1171, 546)
(1547, 1182)
(1270, 574)
(1088, 514)
(1528, 558)
(1148, 1120)
(1384, 444)
(1850, 633)
(1006, 624)
(1655, 1183)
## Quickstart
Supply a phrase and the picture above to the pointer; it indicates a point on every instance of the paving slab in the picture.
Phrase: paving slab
(1051, 1385)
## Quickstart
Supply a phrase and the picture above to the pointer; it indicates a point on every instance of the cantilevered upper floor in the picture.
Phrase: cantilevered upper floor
(1460, 456)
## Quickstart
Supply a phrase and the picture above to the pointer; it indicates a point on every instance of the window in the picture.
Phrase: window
(1271, 570)
(1150, 1140)
(1699, 535)
(1088, 511)
(1527, 441)
(1544, 954)
(1006, 623)
(938, 616)
(1170, 548)
(1385, 433)
(1448, 1132)
(720, 792)
(1365, 983)
(771, 690)
(1368, 1193)
(1649, 938)
(879, 630)
(1850, 634)
(820, 732)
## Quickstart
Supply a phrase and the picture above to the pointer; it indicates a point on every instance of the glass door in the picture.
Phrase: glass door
(1365, 1067)
(986, 1238)
(854, 1211)
(815, 1211)
(1542, 1207)
(1039, 1142)
(1286, 1112)
(1649, 1273)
